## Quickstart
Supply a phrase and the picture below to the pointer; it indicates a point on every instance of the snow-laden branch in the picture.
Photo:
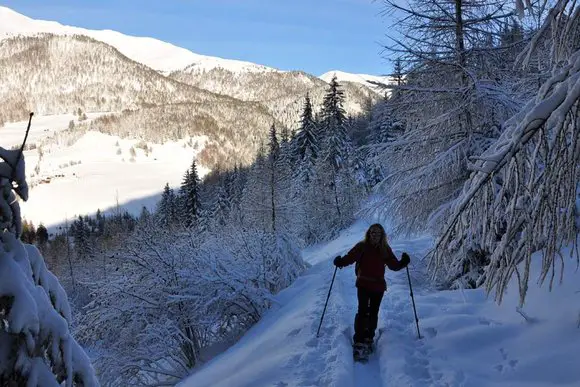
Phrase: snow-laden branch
(523, 196)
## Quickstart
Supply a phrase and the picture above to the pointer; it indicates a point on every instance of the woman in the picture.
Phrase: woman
(371, 256)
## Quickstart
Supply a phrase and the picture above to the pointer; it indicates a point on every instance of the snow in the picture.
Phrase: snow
(363, 79)
(154, 53)
(467, 340)
(90, 174)
(12, 133)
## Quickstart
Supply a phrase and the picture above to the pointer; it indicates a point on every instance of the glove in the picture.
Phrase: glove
(405, 260)
(337, 262)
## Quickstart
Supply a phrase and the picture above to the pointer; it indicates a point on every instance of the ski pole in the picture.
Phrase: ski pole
(12, 178)
(326, 303)
(413, 299)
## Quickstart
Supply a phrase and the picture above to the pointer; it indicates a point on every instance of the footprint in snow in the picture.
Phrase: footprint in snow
(511, 363)
(430, 332)
(294, 332)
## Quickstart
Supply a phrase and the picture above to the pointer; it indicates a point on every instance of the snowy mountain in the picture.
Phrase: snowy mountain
(154, 53)
(363, 79)
(466, 339)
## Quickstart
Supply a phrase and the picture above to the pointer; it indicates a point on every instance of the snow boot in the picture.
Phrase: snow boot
(360, 352)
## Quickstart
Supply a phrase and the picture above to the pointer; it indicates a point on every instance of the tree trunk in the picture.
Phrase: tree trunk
(272, 196)
(461, 61)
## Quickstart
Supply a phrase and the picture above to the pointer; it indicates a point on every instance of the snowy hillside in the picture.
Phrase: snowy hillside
(151, 52)
(363, 79)
(467, 340)
(95, 171)
(262, 86)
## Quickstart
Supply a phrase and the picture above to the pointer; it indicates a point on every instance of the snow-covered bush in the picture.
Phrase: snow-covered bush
(174, 293)
(36, 347)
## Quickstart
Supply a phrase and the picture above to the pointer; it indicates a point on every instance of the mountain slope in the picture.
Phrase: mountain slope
(248, 86)
(281, 92)
(287, 109)
(55, 74)
(467, 340)
(153, 53)
(234, 129)
(52, 74)
(363, 79)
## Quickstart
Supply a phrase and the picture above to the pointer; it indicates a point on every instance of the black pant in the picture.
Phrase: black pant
(367, 317)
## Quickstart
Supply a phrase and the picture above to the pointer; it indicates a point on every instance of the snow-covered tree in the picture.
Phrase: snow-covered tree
(36, 347)
(522, 194)
(167, 208)
(453, 101)
(335, 142)
(81, 232)
(306, 140)
(189, 192)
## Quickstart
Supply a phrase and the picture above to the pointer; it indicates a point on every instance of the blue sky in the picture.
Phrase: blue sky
(311, 35)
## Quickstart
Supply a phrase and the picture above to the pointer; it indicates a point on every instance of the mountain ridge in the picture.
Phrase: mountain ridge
(157, 54)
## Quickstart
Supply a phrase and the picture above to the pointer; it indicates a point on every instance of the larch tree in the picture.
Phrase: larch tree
(521, 197)
(451, 107)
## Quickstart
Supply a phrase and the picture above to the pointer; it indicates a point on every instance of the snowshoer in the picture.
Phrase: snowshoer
(371, 255)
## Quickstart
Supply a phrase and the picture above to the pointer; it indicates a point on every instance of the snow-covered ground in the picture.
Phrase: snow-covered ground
(95, 172)
(467, 340)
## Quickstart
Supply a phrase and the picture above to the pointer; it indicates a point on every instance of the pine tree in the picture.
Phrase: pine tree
(284, 136)
(306, 139)
(81, 233)
(273, 172)
(166, 209)
(255, 207)
(235, 190)
(144, 216)
(101, 221)
(190, 196)
(273, 144)
(41, 237)
(221, 207)
(335, 138)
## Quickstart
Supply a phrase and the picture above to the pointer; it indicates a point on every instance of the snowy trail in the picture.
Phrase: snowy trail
(467, 340)
(283, 350)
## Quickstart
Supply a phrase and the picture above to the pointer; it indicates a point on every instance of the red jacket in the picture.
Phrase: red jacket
(371, 265)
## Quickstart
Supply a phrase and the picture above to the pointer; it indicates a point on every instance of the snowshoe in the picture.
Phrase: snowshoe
(372, 344)
(360, 352)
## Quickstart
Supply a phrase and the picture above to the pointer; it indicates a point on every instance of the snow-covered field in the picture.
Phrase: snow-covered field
(467, 340)
(95, 172)
(12, 133)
